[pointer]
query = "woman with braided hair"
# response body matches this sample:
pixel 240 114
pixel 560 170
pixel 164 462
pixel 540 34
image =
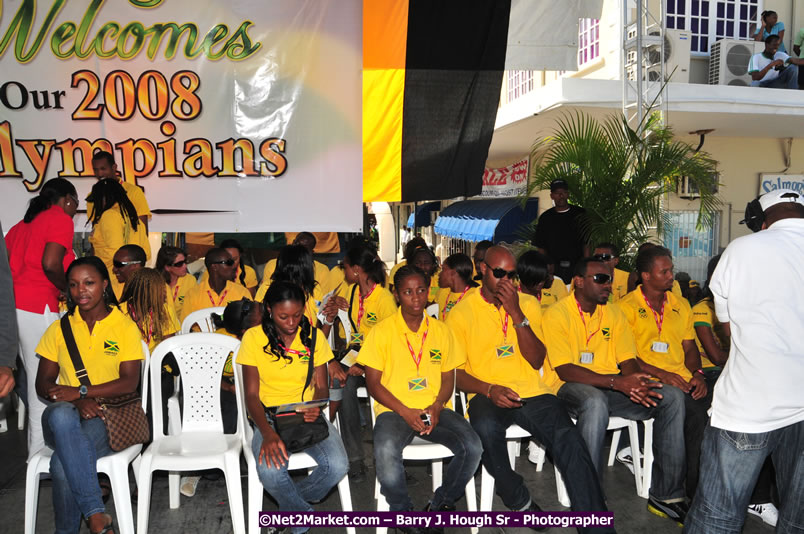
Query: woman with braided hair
pixel 275 357
pixel 145 300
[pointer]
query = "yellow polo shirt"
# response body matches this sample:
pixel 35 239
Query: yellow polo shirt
pixel 250 278
pixel 493 357
pixel 555 293
pixel 114 339
pixel 379 305
pixel 609 337
pixel 336 279
pixel 386 350
pixel 202 296
pixel 171 327
pixel 619 286
pixel 137 197
pixel 703 314
pixel 112 232
pixel 677 326
pixel 447 300
pixel 179 292
pixel 281 381
pixel 321 274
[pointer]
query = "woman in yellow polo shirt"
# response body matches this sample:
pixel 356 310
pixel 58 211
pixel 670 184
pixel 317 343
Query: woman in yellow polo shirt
pixel 275 357
pixel 295 265
pixel 410 362
pixel 455 281
pixel 172 263
pixel 532 270
pixel 424 259
pixel 368 303
pixel 114 224
pixel 111 349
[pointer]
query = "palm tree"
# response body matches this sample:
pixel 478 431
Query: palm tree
pixel 621 177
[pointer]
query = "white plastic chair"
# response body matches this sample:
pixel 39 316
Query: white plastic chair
pixel 421 449
pixel 297 461
pixel 202 318
pixel 115 466
pixel 201 444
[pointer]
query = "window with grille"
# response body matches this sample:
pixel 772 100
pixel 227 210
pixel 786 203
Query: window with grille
pixel 711 20
pixel 588 40
pixel 520 82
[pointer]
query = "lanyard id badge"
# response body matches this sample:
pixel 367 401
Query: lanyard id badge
pixel 660 347
pixel 587 357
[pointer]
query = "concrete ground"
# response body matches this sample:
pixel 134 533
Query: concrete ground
pixel 208 510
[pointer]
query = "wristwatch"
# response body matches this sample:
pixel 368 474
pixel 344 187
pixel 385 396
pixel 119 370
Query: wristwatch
pixel 525 322
pixel 82 391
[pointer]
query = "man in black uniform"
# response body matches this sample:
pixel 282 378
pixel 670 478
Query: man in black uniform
pixel 558 233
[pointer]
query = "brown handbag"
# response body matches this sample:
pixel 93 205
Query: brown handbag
pixel 126 422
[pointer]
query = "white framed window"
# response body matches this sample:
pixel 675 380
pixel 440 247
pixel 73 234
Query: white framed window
pixel 520 82
pixel 711 20
pixel 588 40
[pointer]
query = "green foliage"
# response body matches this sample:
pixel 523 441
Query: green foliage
pixel 621 177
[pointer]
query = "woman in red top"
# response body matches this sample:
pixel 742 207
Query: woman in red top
pixel 40 248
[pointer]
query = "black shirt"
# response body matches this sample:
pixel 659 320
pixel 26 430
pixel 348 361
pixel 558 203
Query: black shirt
pixel 560 235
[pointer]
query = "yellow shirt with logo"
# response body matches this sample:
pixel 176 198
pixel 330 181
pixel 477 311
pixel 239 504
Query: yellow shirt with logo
pixel 202 296
pixel 703 314
pixel 250 279
pixel 554 293
pixel 171 326
pixel 386 350
pixel 179 292
pixel 494 357
pixel 609 336
pixel 378 306
pixel 677 326
pixel 447 300
pixel 114 339
pixel 281 381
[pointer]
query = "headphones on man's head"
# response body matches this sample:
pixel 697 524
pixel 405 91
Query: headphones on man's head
pixel 755 215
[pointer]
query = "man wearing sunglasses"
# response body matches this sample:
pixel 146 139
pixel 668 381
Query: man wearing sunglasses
pixel 591 346
pixel 500 330
pixel 609 253
pixel 127 260
pixel 219 288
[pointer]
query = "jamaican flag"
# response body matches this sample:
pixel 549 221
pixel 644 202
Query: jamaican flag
pixel 432 74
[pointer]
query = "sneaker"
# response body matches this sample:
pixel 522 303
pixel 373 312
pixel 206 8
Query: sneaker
pixel 624 457
pixel 677 511
pixel 357 472
pixel 188 486
pixel 535 508
pixel 767 512
pixel 442 508
pixel 535 454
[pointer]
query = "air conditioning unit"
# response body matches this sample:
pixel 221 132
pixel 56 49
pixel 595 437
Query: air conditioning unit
pixel 728 61
pixel 676 59
pixel 687 189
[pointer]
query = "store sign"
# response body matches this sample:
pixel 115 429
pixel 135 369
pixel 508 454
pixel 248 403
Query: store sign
pixel 510 181
pixel 242 115
pixel 771 182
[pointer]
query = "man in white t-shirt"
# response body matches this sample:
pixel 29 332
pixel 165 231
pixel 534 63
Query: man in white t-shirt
pixel 774 69
pixel 758 406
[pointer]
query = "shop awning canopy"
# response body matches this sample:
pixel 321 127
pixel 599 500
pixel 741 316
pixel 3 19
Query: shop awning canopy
pixel 499 219
pixel 423 214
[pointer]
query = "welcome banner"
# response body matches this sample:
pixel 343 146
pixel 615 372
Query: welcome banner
pixel 243 115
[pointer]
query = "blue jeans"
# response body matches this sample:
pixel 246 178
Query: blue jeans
pixel 730 465
pixel 392 434
pixel 788 79
pixel 593 406
pixel 296 496
pixel 546 419
pixel 77 444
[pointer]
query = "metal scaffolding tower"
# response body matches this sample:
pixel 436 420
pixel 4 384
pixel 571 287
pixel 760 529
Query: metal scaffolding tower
pixel 642 59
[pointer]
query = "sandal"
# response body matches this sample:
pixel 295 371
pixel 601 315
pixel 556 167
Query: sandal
pixel 108 528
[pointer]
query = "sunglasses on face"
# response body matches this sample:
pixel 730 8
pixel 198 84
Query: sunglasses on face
pixel 499 272
pixel 180 263
pixel 121 264
pixel 601 278
pixel 228 262
pixel 604 257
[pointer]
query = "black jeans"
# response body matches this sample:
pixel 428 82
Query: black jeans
pixel 695 422
pixel 547 420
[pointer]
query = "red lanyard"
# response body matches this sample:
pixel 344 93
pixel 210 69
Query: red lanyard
pixel 657 317
pixel 447 307
pixel 175 291
pixel 361 309
pixel 503 323
pixel 212 300
pixel 304 352
pixel 418 360
pixel 585 328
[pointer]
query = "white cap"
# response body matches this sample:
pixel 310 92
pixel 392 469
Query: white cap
pixel 777 196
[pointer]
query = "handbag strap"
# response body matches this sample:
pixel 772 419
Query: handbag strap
pixel 351 304
pixel 310 364
pixel 72 349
